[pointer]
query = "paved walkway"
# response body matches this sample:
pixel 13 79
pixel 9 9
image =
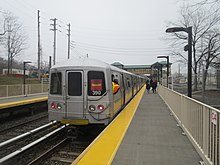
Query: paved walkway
pixel 22 100
pixel 154 139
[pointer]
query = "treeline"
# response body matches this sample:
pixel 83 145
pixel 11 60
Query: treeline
pixel 16 65
pixel 12 40
pixel 204 18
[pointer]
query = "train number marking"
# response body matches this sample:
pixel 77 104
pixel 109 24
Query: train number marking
pixel 96 93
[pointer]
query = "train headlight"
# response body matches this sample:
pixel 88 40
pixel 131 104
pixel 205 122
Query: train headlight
pixel 59 106
pixel 53 105
pixel 92 108
pixel 101 107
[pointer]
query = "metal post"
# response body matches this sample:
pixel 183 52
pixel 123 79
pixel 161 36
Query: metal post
pixel 38 45
pixel 54 45
pixel 167 70
pixel 161 71
pixel 158 74
pixel 54 42
pixel 49 63
pixel 189 83
pixel 167 57
pixel 24 78
pixel 68 57
pixel 189 31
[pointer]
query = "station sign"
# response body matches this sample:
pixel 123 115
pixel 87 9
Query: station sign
pixel 214 117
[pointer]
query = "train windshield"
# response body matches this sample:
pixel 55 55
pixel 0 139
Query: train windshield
pixel 74 83
pixel 56 84
pixel 96 83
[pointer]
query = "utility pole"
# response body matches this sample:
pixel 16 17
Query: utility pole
pixel 49 63
pixel 38 46
pixel 54 43
pixel 9 53
pixel 68 41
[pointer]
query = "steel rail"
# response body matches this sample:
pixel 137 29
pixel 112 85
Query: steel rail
pixel 23 123
pixel 5 143
pixel 35 161
pixel 9 158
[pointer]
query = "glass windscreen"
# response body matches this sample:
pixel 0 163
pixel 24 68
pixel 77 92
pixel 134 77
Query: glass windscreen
pixel 96 83
pixel 56 84
pixel 74 83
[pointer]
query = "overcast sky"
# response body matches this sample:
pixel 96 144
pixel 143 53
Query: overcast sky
pixel 126 31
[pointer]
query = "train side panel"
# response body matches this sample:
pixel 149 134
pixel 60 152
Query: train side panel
pixel 119 97
pixel 128 88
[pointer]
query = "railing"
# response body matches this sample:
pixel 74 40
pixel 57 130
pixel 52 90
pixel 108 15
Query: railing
pixel 199 122
pixel 18 90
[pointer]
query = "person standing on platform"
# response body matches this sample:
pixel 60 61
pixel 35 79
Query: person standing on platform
pixel 154 86
pixel 147 86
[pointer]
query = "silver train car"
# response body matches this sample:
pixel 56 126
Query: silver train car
pixel 81 92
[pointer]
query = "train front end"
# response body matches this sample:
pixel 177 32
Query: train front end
pixel 79 96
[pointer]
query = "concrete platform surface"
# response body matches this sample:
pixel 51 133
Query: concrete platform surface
pixel 22 100
pixel 153 138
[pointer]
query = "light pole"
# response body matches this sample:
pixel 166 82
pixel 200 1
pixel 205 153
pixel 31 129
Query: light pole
pixel 167 57
pixel 189 48
pixel 24 63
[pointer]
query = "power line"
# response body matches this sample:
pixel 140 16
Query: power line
pixel 124 53
pixel 92 46
pixel 14 7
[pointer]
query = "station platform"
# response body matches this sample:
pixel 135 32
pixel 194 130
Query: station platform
pixel 142 134
pixel 22 100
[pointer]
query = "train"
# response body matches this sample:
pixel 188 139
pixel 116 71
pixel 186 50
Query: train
pixel 81 91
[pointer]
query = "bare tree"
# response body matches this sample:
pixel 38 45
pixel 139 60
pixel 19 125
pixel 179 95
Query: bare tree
pixel 206 2
pixel 202 21
pixel 3 30
pixel 15 39
pixel 210 51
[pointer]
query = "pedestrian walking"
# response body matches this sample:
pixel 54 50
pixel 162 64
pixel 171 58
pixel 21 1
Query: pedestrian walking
pixel 154 86
pixel 147 87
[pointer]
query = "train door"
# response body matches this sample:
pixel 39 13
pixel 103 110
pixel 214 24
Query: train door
pixel 74 94
pixel 118 98
pixel 122 90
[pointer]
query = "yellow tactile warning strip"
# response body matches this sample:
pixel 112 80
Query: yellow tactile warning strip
pixel 103 149
pixel 23 102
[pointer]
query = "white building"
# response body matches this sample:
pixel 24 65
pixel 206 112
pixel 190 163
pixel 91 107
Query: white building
pixel 16 71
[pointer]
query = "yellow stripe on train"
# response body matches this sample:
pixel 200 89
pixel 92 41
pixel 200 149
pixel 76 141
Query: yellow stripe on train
pixel 75 121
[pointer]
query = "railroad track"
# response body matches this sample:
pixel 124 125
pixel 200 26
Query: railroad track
pixel 17 142
pixel 9 131
pixel 23 122
pixel 13 150
pixel 33 140
pixel 62 153
pixel 60 146
pixel 67 150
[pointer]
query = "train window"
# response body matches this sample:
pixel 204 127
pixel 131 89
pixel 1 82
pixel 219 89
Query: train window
pixel 129 85
pixel 56 84
pixel 96 83
pixel 74 84
pixel 115 79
